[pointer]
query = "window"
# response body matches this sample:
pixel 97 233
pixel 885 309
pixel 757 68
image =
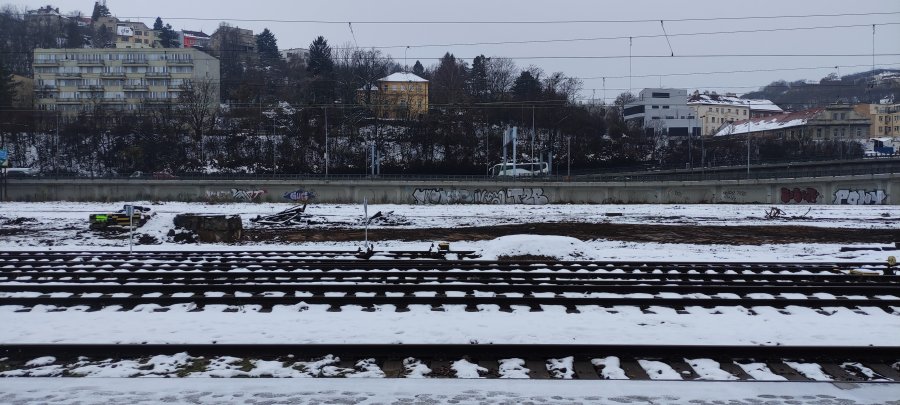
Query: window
pixel 666 107
pixel 660 95
pixel 745 112
pixel 843 116
pixel 654 107
pixel 669 117
pixel 880 118
pixel 729 111
pixel 717 109
pixel 818 132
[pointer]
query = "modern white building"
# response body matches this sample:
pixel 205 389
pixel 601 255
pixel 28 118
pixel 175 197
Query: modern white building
pixel 663 111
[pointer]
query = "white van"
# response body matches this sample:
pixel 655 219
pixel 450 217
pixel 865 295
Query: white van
pixel 19 172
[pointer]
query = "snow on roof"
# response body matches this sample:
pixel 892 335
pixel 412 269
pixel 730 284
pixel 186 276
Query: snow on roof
pixel 786 120
pixel 198 34
pixel 371 88
pixel 402 77
pixel 716 99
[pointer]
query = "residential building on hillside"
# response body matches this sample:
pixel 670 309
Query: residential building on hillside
pixel 129 34
pixel 838 121
pixel 73 80
pixel 885 118
pixel 235 39
pixel 663 110
pixel 397 96
pixel 714 110
pixel 193 39
pixel 135 34
pixel 296 54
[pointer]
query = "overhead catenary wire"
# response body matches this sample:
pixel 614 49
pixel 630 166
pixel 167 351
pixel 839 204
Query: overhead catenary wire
pixel 621 37
pixel 496 22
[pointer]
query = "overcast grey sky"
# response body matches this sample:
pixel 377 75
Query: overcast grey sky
pixel 646 72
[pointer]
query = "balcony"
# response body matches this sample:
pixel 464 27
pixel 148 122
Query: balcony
pixel 134 63
pixel 139 87
pixel 68 74
pixel 68 100
pixel 46 63
pixel 91 87
pixel 113 74
pixel 157 74
pixel 92 62
pixel 180 62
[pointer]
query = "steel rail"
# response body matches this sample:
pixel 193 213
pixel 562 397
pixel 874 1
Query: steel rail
pixel 355 288
pixel 405 301
pixel 400 277
pixel 445 351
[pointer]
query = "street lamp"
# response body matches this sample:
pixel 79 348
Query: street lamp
pixel 325 111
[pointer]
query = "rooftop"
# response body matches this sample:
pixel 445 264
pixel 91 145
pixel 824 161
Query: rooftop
pixel 402 77
pixel 717 99
pixel 786 120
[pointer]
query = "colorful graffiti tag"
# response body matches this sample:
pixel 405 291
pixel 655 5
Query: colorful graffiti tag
pixel 532 196
pixel 859 197
pixel 300 195
pixel 799 195
pixel 235 194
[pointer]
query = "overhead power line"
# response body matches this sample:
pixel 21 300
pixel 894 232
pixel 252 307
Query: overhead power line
pixel 622 37
pixel 495 22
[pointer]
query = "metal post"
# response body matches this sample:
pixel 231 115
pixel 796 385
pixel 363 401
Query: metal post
pixel 569 156
pixel 748 148
pixel 533 134
pixel 515 133
pixel 326 140
pixel 273 145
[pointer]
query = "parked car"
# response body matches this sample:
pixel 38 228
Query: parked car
pixel 164 176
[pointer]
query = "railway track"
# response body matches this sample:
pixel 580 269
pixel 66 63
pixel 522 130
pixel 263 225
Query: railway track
pixel 267 279
pixel 587 362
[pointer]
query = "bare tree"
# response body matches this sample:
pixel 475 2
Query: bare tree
pixel 198 107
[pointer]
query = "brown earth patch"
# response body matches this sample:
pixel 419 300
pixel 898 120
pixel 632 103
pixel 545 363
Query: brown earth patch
pixel 730 235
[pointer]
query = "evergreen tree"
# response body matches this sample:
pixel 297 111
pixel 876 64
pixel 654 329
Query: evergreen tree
pixel 526 87
pixel 6 86
pixel 100 10
pixel 267 47
pixel 418 69
pixel 74 36
pixel 168 38
pixel 478 78
pixel 448 83
pixel 320 61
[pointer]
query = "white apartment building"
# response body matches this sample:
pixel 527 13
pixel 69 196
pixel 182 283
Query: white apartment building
pixel 73 80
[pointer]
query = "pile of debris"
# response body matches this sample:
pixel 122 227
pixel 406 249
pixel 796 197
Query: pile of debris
pixel 388 219
pixel 290 216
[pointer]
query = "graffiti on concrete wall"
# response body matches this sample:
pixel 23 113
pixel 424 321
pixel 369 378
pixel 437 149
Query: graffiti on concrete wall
pixel 859 197
pixel 530 195
pixel 300 195
pixel 798 195
pixel 734 195
pixel 236 194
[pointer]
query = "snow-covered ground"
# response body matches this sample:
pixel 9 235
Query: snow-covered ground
pixel 63 226
pixel 417 391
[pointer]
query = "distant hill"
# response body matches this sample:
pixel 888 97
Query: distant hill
pixel 863 87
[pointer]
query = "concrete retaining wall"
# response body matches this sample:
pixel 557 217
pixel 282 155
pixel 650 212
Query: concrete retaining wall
pixel 867 189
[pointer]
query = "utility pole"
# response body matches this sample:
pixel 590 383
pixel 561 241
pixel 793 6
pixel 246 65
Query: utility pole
pixel 533 134
pixel 569 156
pixel 325 109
